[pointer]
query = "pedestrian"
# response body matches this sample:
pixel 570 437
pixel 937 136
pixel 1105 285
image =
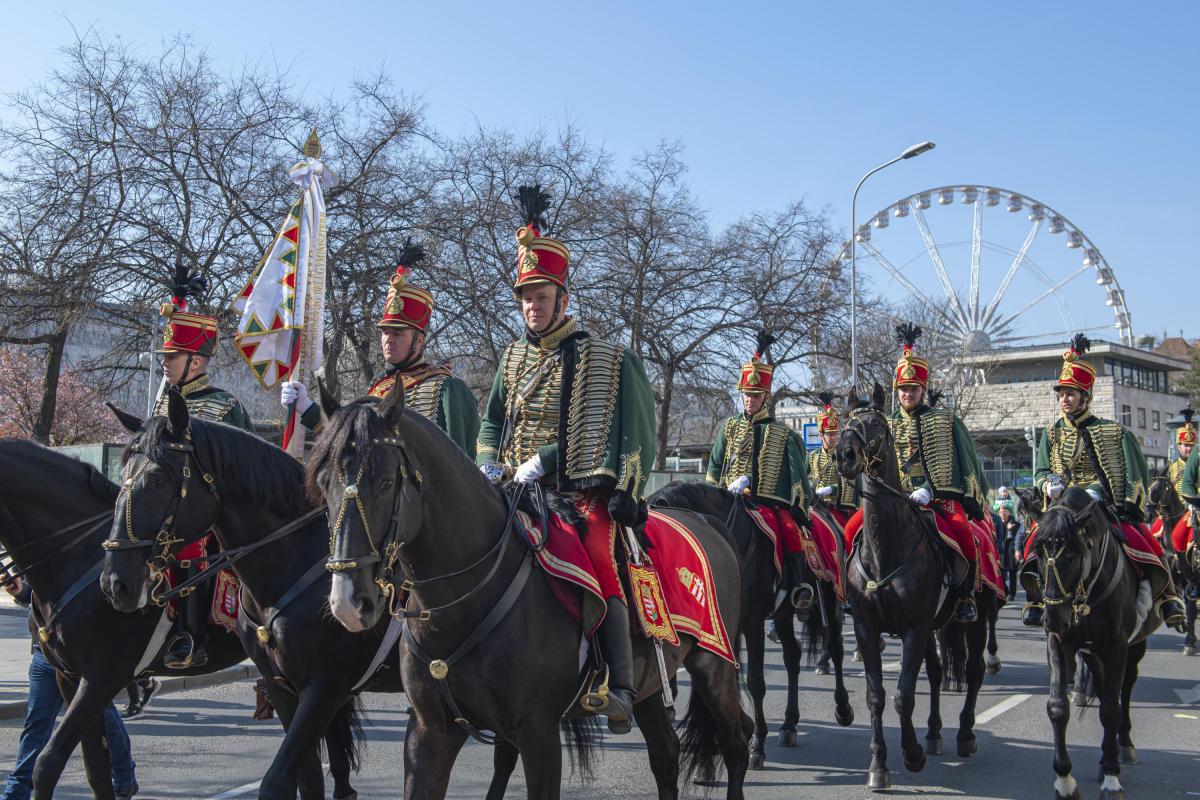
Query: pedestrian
pixel 1010 541
pixel 45 700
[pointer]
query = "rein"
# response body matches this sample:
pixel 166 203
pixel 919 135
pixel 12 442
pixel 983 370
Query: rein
pixel 95 522
pixel 1079 599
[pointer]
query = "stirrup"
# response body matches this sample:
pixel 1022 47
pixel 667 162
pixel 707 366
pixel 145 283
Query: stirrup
pixel 802 597
pixel 1176 620
pixel 1029 612
pixel 971 614
pixel 596 701
pixel 180 663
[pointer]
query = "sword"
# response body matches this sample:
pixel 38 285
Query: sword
pixel 635 556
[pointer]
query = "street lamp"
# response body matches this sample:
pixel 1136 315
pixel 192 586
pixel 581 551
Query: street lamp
pixel 911 152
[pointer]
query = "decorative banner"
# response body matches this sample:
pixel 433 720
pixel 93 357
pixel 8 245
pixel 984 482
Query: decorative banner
pixel 282 307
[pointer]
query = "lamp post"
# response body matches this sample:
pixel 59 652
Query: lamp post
pixel 912 152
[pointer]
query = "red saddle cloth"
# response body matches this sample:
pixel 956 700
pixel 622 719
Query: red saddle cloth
pixel 990 573
pixel 226 596
pixel 819 545
pixel 684 575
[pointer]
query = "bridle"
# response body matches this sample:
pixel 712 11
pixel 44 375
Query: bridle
pixel 165 540
pixel 1160 507
pixel 875 456
pixel 1078 599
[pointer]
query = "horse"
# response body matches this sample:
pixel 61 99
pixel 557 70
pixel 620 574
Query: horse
pixel 185 477
pixel 1164 503
pixel 1091 595
pixel 823 626
pixel 896 583
pixel 489 645
pixel 54 513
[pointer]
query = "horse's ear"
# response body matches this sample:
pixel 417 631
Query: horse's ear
pixel 392 407
pixel 178 418
pixel 128 421
pixel 853 401
pixel 328 403
pixel 878 398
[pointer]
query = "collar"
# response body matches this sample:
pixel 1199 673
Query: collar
pixel 1079 420
pixel 916 412
pixel 762 415
pixel 552 340
pixel 196 384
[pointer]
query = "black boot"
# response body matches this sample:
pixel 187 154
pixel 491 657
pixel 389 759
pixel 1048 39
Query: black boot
pixel 965 611
pixel 802 593
pixel 187 647
pixel 617 649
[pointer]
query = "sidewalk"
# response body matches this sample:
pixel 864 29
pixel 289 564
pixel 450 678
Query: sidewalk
pixel 15 656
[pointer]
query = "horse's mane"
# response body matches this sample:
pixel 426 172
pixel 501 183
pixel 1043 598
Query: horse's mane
pixel 1060 520
pixel 32 456
pixel 266 476
pixel 688 494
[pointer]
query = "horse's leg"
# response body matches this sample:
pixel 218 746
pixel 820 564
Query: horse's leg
pixel 84 715
pixel 1061 659
pixel 993 645
pixel 1189 638
pixel 429 754
pixel 757 684
pixel 916 640
pixel 1111 679
pixel 933 672
pixel 97 765
pixel 319 701
pixel 541 757
pixel 504 763
pixel 662 744
pixel 878 776
pixel 1126 751
pixel 715 682
pixel 943 646
pixel 835 650
pixel 310 779
pixel 785 622
pixel 976 635
pixel 339 744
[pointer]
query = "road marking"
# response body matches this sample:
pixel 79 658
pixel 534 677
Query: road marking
pixel 1007 704
pixel 1191 696
pixel 1186 716
pixel 238 792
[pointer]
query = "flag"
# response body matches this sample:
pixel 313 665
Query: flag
pixel 282 307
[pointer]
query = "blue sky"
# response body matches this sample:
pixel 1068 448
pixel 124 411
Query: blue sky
pixel 1089 107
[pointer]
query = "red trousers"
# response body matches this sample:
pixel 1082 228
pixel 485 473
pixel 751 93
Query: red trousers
pixel 599 540
pixel 952 522
pixel 1181 533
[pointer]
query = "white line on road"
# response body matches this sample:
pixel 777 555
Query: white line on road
pixel 1007 704
pixel 238 792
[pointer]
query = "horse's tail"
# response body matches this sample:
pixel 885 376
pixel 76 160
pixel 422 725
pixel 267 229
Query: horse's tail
pixel 353 744
pixel 812 641
pixel 699 745
pixel 582 735
pixel 956 645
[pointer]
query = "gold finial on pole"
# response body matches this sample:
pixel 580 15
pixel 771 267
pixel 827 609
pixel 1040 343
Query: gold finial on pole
pixel 312 147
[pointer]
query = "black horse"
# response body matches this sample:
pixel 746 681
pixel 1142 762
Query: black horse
pixel 1164 503
pixel 186 477
pixel 54 513
pixel 1090 591
pixel 896 584
pixel 823 623
pixel 400 493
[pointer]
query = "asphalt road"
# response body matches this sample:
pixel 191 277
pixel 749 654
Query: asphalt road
pixel 204 745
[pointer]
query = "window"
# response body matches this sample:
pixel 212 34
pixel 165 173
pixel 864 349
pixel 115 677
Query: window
pixel 1156 420
pixel 1126 416
pixel 1141 418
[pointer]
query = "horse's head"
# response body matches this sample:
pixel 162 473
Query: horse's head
pixel 1031 502
pixel 1161 499
pixel 364 472
pixel 1069 552
pixel 167 500
pixel 866 438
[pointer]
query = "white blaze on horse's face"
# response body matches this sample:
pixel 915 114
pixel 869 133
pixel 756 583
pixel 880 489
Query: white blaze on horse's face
pixel 342 604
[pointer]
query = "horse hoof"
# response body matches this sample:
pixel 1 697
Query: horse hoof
pixel 1189 649
pixel 857 656
pixel 758 760
pixel 822 669
pixel 706 777
pixel 967 747
pixel 993 667
pixel 1079 699
pixel 1127 754
pixel 916 764
pixel 787 738
pixel 878 780
pixel 933 747
pixel 844 716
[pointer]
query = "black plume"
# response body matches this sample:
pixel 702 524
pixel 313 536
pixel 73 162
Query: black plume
pixel 826 398
pixel 1080 344
pixel 935 396
pixel 412 254
pixel 763 344
pixel 186 284
pixel 534 202
pixel 1187 414
pixel 907 334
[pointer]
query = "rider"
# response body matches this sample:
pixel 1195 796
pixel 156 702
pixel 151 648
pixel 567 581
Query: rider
pixel 1084 451
pixel 765 459
pixel 938 466
pixel 839 495
pixel 189 341
pixel 430 390
pixel 576 414
pixel 1184 472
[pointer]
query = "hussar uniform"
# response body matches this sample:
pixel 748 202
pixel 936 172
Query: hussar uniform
pixel 577 414
pixel 1087 452
pixel 1182 473
pixel 838 494
pixel 431 390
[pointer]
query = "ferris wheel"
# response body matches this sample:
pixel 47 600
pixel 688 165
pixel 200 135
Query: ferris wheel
pixel 1020 283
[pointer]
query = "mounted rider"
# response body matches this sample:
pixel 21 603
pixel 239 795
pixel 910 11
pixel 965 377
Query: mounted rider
pixel 755 455
pixel 838 494
pixel 939 468
pixel 1084 451
pixel 1184 473
pixel 577 415
pixel 430 390
pixel 189 341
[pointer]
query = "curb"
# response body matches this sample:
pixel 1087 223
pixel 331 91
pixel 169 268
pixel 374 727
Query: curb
pixel 15 709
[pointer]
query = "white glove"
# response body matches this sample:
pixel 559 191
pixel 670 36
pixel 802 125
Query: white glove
pixel 530 471
pixel 1052 489
pixel 1094 495
pixel 740 484
pixel 824 491
pixel 295 392
pixel 921 496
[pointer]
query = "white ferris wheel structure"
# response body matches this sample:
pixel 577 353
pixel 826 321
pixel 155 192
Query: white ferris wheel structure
pixel 996 269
